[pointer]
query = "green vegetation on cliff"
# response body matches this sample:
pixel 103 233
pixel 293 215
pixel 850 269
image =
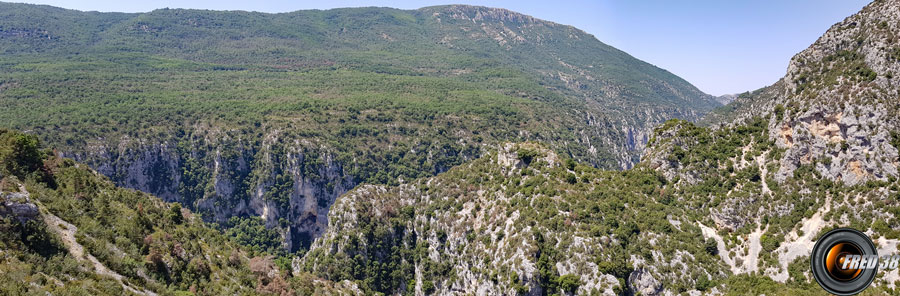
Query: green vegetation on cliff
pixel 232 112
pixel 68 231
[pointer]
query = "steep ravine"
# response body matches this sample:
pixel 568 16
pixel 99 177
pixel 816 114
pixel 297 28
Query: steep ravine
pixel 289 185
pixel 290 182
pixel 322 101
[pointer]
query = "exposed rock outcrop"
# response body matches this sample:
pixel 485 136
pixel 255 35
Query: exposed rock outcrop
pixel 786 162
pixel 643 283
pixel 18 205
pixel 491 237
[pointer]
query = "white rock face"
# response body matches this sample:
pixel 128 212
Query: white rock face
pixel 834 116
pixel 849 144
pixel 847 122
pixel 643 283
pixel 230 178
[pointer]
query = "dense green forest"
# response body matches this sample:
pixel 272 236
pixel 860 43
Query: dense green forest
pixel 233 114
pixel 148 74
pixel 445 150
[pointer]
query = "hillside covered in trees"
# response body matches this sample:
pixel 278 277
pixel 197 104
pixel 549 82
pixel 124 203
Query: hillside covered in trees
pixel 244 114
pixel 449 150
pixel 66 230
pixel 733 206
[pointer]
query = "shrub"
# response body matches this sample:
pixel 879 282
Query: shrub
pixel 711 247
pixel 569 283
pixel 428 287
pixel 616 267
pixel 703 283
pixel 570 178
pixel 527 155
pixel 175 213
pixel 20 154
pixel 779 112
pixel 39 240
pixel 769 242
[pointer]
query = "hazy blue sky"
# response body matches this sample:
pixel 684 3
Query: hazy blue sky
pixel 721 46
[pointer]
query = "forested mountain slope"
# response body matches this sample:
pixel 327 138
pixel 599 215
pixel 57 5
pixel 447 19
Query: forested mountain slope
pixel 275 115
pixel 67 230
pixel 734 207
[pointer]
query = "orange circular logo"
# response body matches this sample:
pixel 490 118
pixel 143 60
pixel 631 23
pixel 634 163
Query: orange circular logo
pixel 835 262
pixel 844 261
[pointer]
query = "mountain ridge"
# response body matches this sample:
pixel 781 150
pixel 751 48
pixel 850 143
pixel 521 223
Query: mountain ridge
pixel 755 187
pixel 731 206
pixel 275 115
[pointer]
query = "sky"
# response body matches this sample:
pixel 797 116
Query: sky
pixel 720 46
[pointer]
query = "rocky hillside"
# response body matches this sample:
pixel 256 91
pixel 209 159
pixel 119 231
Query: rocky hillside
pixel 66 230
pixel 452 207
pixel 525 221
pixel 521 220
pixel 240 114
pixel 732 207
pixel 837 108
pixel 784 163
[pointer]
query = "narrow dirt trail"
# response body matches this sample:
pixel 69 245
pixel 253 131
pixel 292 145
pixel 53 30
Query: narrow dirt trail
pixel 66 232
